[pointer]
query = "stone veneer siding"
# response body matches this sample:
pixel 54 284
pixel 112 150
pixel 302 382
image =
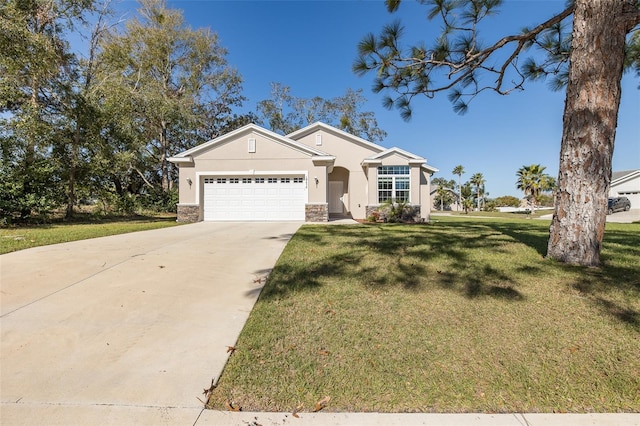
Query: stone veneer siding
pixel 316 212
pixel 369 211
pixel 188 213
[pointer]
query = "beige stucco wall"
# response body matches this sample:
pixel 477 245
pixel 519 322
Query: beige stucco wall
pixel 372 187
pixel 274 156
pixel 187 193
pixel 349 155
pixel 233 158
pixel 425 194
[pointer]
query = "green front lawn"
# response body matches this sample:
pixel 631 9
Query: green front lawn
pixel 28 236
pixel 464 315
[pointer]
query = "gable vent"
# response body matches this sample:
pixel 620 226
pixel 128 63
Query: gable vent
pixel 318 140
pixel 251 143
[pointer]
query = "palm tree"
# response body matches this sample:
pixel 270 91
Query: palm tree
pixel 444 196
pixel 532 180
pixel 458 171
pixel 478 181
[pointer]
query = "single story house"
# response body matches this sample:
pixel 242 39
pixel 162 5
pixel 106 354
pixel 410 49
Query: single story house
pixel 452 206
pixel 254 174
pixel 626 184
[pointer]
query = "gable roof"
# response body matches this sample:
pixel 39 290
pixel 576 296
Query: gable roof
pixel 617 177
pixel 395 150
pixel 187 156
pixel 381 151
pixel 318 125
pixel 434 189
pixel 412 158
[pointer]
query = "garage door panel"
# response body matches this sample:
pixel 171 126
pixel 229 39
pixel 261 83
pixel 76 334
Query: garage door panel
pixel 254 199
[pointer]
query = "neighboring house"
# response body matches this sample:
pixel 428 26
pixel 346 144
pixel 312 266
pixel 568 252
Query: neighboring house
pixel 626 184
pixel 254 174
pixel 453 206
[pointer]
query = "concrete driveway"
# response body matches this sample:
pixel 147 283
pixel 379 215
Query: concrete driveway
pixel 629 216
pixel 127 329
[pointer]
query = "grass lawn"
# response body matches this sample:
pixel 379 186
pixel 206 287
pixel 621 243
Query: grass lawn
pixel 23 237
pixel 463 315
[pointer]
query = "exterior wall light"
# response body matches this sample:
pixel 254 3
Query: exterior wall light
pixel 190 182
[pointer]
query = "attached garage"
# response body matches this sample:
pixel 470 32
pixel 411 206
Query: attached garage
pixel 254 174
pixel 626 184
pixel 255 198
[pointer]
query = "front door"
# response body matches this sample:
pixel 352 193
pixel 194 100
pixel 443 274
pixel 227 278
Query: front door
pixel 336 194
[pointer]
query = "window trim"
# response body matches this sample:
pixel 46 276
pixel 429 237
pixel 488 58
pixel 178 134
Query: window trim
pixel 395 175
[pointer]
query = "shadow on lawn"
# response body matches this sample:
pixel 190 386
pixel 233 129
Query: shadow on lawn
pixel 619 273
pixel 534 235
pixel 616 284
pixel 450 256
pixel 397 255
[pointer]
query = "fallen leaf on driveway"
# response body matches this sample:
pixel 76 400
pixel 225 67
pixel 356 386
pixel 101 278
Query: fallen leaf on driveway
pixel 231 349
pixel 211 388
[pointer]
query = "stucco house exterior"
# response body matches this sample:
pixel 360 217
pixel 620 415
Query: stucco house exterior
pixel 626 184
pixel 453 206
pixel 254 174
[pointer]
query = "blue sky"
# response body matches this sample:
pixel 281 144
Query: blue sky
pixel 310 46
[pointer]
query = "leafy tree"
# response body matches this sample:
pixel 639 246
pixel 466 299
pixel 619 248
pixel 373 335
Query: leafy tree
pixel 443 183
pixel 443 193
pixel 34 65
pixel 458 171
pixel 83 118
pixel 590 62
pixel 443 198
pixel 286 113
pixel 478 181
pixel 172 82
pixel 507 201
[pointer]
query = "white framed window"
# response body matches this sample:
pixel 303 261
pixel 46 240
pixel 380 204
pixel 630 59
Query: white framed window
pixel 221 180
pixel 246 180
pixel 234 180
pixel 251 143
pixel 298 180
pixel 209 180
pixel 272 180
pixel 393 184
pixel 285 180
pixel 259 180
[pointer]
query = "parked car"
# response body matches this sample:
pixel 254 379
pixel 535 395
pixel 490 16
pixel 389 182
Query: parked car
pixel 618 204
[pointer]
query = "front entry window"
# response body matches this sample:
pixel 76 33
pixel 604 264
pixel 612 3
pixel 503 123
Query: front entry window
pixel 393 184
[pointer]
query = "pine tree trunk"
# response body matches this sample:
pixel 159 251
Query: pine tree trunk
pixel 589 128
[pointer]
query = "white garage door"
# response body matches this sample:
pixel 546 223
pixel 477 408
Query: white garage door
pixel 255 198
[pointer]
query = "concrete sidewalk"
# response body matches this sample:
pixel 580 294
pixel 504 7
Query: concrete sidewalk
pixel 389 419
pixel 127 329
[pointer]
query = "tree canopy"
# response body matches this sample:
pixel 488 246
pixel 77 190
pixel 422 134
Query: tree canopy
pixel 99 121
pixel 285 113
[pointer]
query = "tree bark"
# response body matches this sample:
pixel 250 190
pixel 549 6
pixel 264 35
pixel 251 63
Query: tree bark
pixel 164 163
pixel 589 129
pixel 71 184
